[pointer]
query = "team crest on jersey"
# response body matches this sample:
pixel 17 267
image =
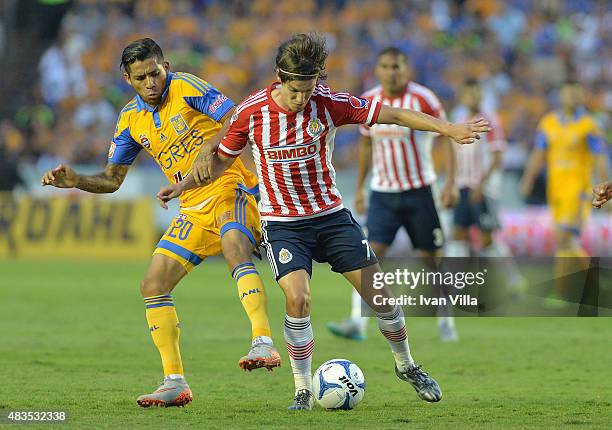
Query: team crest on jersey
pixel 162 138
pixel 144 141
pixel 284 256
pixel 111 150
pixel 315 127
pixel 179 124
pixel 358 102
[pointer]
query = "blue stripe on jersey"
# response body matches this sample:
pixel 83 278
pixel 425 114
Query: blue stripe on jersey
pixel 541 141
pixel 596 144
pixel 180 251
pixel 194 84
pixel 196 79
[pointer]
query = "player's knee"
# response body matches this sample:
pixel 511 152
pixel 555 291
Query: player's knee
pixel 153 287
pixel 298 299
pixel 236 248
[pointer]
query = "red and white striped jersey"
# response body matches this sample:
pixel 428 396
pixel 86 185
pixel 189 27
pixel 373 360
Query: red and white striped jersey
pixel 473 161
pixel 401 157
pixel 293 150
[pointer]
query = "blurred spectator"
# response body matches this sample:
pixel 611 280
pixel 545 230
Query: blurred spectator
pixel 518 49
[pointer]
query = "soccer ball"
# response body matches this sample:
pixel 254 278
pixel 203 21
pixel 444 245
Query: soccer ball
pixel 338 384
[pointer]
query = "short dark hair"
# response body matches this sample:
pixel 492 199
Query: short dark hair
pixel 302 58
pixel 392 50
pixel 140 50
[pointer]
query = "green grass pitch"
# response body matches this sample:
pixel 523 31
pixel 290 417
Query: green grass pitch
pixel 74 337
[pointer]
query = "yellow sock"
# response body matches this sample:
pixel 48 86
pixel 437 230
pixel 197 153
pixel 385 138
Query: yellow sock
pixel 164 327
pixel 253 298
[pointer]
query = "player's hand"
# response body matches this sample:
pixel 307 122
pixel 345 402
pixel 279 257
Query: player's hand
pixel 601 194
pixel 61 177
pixel 468 132
pixel 476 195
pixel 168 193
pixel 360 207
pixel 449 196
pixel 202 168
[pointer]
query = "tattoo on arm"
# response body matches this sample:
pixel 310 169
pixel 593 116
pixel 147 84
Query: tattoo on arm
pixel 108 181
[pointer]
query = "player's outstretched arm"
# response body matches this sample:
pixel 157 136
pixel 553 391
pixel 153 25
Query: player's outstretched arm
pixel 64 176
pixel 462 133
pixel 220 164
pixel 602 193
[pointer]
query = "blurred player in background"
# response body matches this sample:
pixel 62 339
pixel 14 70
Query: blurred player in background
pixel 171 117
pixel 479 175
pixel 402 176
pixel 602 193
pixel 291 127
pixel 569 143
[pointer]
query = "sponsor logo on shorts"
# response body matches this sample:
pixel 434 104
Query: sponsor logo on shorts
pixel 284 256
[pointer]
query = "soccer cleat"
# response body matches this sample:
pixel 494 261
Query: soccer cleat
pixel 261 355
pixel 348 329
pixel 448 332
pixel 303 401
pixel 425 386
pixel 171 392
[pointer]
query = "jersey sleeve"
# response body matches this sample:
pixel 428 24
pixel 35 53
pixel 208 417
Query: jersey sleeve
pixel 365 130
pixel 347 109
pixel 203 97
pixel 430 104
pixel 123 148
pixel 237 137
pixel 594 138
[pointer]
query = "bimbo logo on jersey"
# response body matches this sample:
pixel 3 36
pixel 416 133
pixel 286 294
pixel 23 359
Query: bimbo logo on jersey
pixel 292 153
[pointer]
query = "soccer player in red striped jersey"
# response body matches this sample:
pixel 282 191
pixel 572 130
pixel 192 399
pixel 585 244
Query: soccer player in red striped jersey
pixel 290 126
pixel 402 175
pixel 479 177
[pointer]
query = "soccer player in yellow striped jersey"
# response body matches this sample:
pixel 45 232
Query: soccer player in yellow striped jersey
pixel 571 146
pixel 170 118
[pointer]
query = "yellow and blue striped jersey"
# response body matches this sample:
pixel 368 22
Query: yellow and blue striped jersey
pixel 173 132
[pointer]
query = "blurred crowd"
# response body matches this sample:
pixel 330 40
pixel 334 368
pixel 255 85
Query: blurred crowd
pixel 520 51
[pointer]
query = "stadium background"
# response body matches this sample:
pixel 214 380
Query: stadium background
pixel 61 91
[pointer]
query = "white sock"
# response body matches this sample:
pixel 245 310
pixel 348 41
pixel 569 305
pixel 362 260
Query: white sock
pixel 356 310
pixel 175 376
pixel 262 339
pixel 450 321
pixel 499 248
pixel 393 327
pixel 457 248
pixel 300 343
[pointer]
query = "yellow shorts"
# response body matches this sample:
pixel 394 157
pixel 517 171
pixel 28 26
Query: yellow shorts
pixel 196 233
pixel 569 209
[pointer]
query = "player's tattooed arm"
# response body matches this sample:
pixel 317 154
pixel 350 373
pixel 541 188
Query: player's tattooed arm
pixel 108 181
pixel 462 133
